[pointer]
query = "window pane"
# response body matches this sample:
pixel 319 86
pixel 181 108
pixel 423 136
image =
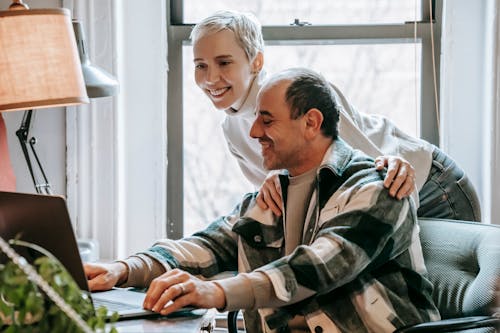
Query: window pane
pixel 376 78
pixel 317 12
pixel 213 182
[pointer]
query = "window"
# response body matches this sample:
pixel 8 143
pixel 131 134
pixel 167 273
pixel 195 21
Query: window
pixel 382 64
pixel 283 12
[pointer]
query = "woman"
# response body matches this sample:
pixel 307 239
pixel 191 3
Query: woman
pixel 228 55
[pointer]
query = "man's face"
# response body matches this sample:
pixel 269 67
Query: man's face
pixel 222 69
pixel 281 138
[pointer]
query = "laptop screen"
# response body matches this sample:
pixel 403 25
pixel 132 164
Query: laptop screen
pixel 42 220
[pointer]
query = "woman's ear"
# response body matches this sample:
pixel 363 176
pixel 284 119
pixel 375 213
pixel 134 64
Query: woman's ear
pixel 258 63
pixel 313 121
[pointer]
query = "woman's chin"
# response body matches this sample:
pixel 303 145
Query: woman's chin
pixel 221 105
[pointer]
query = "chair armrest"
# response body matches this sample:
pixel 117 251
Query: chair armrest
pixel 452 325
pixel 232 321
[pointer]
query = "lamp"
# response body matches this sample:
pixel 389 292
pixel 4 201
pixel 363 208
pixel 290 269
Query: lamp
pixel 39 68
pixel 98 82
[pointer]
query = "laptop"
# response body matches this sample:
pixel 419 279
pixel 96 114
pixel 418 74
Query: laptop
pixel 44 220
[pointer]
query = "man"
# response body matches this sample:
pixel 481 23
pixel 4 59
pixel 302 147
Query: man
pixel 345 256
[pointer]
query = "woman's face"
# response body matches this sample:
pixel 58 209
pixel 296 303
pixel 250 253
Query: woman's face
pixel 222 69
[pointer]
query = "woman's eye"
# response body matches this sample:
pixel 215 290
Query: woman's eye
pixel 199 66
pixel 224 63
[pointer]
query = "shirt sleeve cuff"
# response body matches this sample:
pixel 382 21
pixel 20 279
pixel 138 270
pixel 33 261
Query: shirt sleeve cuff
pixel 246 291
pixel 142 269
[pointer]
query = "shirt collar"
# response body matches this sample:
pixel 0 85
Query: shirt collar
pixel 337 157
pixel 248 106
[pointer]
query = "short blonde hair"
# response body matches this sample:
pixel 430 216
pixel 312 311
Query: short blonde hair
pixel 245 26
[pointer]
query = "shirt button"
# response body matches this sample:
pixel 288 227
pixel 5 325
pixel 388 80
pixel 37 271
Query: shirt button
pixel 257 238
pixel 318 329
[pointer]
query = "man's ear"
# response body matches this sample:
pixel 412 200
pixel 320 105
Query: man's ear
pixel 258 63
pixel 313 120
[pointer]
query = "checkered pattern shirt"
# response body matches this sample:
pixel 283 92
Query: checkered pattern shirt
pixel 360 260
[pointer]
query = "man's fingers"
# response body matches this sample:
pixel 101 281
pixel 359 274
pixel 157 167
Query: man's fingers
pixel 177 304
pixel 166 296
pixel 162 287
pixel 99 283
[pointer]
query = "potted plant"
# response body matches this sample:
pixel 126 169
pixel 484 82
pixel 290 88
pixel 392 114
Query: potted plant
pixel 43 297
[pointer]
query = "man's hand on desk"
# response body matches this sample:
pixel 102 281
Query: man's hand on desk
pixel 105 276
pixel 176 289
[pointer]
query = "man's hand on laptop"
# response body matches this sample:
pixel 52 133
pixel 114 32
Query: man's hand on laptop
pixel 105 276
pixel 176 289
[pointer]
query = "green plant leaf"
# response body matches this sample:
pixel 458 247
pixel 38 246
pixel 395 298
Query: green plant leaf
pixel 24 300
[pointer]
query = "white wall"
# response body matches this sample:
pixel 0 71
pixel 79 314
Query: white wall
pixel 142 71
pixel 467 88
pixel 117 147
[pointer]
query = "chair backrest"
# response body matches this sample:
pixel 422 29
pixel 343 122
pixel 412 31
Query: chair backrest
pixel 463 262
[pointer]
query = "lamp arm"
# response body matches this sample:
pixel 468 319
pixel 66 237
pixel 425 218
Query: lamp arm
pixel 22 134
pixel 45 186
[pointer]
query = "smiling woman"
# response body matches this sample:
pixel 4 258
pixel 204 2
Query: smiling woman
pixel 223 70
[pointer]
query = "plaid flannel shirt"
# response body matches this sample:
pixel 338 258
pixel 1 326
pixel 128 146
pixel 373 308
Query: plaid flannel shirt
pixel 360 254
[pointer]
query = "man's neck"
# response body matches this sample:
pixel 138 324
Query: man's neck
pixel 313 157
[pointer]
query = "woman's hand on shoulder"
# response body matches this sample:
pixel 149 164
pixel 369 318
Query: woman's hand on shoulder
pixel 400 178
pixel 270 194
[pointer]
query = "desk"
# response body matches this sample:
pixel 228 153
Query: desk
pixel 200 321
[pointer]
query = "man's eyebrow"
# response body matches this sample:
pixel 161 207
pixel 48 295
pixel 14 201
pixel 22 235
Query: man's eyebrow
pixel 265 113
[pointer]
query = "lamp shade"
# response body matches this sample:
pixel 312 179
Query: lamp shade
pixel 39 62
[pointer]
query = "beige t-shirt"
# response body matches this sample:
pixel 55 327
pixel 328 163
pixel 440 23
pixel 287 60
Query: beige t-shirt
pixel 299 192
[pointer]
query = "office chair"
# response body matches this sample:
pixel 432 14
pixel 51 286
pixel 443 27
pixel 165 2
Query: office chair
pixel 463 263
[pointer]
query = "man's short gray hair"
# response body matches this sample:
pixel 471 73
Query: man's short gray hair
pixel 245 26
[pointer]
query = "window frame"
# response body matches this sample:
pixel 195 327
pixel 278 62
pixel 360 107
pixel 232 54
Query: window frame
pixel 178 33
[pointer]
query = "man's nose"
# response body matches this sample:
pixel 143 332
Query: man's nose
pixel 255 130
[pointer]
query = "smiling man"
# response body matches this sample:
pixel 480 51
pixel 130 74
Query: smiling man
pixel 344 257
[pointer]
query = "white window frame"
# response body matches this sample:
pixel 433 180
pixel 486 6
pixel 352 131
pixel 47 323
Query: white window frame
pixel 178 33
pixel 116 146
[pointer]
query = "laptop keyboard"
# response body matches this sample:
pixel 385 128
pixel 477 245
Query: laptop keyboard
pixel 112 306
